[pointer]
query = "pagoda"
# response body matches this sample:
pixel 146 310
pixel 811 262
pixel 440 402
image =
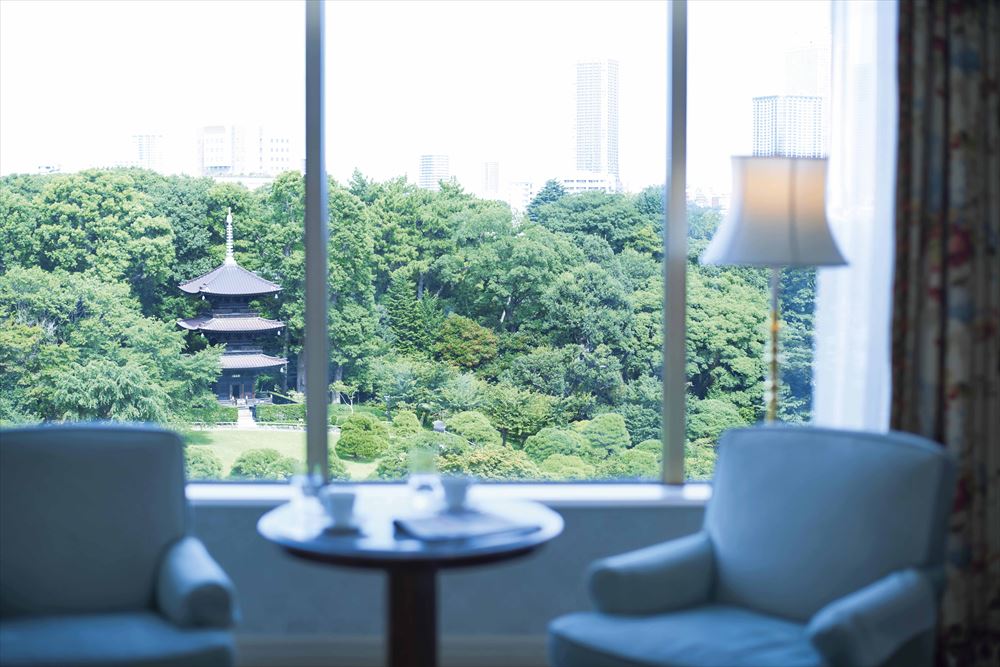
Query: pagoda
pixel 229 289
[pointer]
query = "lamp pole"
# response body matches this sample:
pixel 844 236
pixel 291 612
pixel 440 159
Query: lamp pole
pixel 772 401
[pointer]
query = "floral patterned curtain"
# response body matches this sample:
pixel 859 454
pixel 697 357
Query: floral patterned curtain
pixel 946 312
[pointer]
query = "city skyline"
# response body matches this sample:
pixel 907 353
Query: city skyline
pixel 459 84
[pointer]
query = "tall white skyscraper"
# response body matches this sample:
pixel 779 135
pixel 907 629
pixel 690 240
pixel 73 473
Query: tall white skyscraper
pixel 433 170
pixel 597 118
pixel 789 126
pixel 491 180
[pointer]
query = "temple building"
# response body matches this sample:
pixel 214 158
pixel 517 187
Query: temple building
pixel 229 289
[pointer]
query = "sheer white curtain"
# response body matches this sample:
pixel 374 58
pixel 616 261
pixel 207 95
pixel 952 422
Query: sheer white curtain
pixel 851 372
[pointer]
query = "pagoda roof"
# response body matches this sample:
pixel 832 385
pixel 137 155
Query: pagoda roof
pixel 237 361
pixel 227 323
pixel 230 280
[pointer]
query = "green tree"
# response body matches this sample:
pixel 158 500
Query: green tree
pixel 629 464
pixel 551 192
pixel 492 463
pixel 464 343
pixel 560 467
pixel 474 427
pixel 517 413
pixel 606 434
pixel 552 441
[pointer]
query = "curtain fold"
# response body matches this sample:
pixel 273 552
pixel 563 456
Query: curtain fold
pixel 946 293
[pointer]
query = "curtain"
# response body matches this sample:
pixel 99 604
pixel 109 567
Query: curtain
pixel 946 294
pixel 851 363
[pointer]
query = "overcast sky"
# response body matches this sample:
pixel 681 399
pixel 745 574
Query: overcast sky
pixel 479 81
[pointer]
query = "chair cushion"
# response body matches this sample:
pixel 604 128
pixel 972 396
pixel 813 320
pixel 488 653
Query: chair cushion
pixel 143 639
pixel 800 517
pixel 706 636
pixel 86 513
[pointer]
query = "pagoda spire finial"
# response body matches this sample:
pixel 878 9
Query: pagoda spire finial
pixel 230 259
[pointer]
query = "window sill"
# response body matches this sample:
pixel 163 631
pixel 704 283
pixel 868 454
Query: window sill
pixel 555 495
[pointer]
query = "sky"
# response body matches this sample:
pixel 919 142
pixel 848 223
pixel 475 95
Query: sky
pixel 479 81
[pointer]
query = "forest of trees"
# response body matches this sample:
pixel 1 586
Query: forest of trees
pixel 441 304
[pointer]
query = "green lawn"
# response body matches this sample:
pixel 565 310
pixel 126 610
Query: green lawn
pixel 228 445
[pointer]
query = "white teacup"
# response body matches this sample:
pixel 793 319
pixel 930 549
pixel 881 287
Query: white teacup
pixel 456 489
pixel 338 503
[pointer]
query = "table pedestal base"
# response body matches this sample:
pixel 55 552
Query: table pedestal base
pixel 412 617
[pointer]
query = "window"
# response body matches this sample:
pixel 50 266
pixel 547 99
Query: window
pixel 487 271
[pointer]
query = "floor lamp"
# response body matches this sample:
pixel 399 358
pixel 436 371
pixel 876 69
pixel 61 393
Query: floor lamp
pixel 776 219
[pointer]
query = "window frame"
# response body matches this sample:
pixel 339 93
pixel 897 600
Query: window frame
pixel 316 344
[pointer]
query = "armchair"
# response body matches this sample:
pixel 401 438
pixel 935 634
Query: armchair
pixel 96 567
pixel 819 548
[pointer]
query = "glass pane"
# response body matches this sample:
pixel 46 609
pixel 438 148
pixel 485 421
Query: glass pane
pixel 495 242
pixel 122 151
pixel 765 93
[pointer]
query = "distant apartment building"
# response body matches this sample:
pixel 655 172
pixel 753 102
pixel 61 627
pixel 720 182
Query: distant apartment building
pixel 789 126
pixel 231 151
pixel 597 118
pixel 433 170
pixel 520 194
pixel 491 180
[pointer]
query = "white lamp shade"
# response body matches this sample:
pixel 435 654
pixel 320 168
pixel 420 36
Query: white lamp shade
pixel 777 216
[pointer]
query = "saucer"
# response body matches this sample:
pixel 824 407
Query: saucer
pixel 350 528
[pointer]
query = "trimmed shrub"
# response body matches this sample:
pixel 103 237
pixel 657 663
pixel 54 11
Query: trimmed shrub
pixel 560 467
pixel 202 463
pixel 493 463
pixel 629 464
pixel 287 413
pixel 405 423
pixel 699 459
pixel 336 468
pixel 550 441
pixel 361 446
pixel 264 463
pixel 607 434
pixel 394 465
pixel 362 438
pixel 654 447
pixel 474 427
pixel 213 414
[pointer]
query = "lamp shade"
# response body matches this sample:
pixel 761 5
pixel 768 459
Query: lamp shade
pixel 777 216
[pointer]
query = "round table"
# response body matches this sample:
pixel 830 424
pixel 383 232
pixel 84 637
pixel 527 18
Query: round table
pixel 411 564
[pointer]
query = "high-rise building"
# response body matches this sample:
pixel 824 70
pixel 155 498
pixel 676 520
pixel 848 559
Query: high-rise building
pixel 491 180
pixel 146 152
pixel 433 170
pixel 597 118
pixel 789 126
pixel 589 181
pixel 244 150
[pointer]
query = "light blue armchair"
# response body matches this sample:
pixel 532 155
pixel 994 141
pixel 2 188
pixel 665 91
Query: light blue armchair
pixel 96 567
pixel 820 548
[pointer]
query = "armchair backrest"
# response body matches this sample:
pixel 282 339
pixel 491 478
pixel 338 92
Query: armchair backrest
pixel 802 516
pixel 86 512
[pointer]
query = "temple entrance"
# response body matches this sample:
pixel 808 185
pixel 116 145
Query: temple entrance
pixel 236 392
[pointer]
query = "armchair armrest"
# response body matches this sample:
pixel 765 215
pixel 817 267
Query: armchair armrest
pixel 192 590
pixel 866 627
pixel 667 576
